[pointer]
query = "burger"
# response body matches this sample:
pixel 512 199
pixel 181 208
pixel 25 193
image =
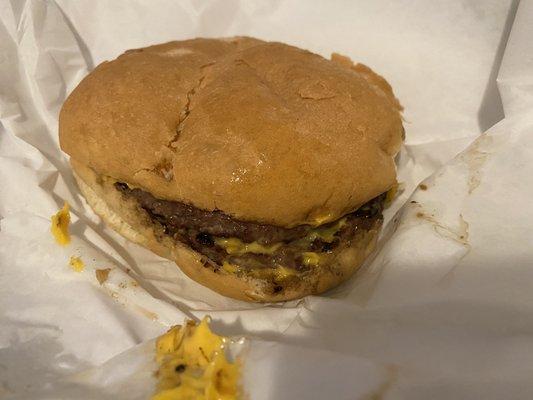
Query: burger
pixel 259 168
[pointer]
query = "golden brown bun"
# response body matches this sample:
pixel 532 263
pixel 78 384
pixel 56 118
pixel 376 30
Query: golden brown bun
pixel 127 218
pixel 262 131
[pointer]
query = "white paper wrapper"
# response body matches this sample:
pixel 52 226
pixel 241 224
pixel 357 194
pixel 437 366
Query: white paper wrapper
pixel 444 309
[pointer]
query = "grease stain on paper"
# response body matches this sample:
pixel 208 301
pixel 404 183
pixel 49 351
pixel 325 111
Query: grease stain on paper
pixel 459 235
pixel 475 157
pixel 147 313
pixel 391 377
pixel 123 301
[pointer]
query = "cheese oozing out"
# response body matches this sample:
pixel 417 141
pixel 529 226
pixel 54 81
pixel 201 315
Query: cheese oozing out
pixel 235 246
pixel 326 233
pixel 238 247
pixel 193 365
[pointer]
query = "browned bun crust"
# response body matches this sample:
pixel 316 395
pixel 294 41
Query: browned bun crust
pixel 127 218
pixel 263 131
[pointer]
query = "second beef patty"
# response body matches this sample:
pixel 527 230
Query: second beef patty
pixel 250 245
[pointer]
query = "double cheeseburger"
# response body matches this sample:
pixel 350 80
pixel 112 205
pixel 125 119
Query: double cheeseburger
pixel 259 168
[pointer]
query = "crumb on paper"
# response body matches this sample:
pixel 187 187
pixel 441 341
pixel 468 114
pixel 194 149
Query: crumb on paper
pixel 102 275
pixel 76 263
pixel 60 224
pixel 423 186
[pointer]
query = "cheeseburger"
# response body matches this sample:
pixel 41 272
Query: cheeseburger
pixel 259 168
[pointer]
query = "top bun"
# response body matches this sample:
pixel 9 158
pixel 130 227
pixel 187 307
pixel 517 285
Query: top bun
pixel 262 131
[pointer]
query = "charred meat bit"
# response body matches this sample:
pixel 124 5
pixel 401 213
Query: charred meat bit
pixel 205 239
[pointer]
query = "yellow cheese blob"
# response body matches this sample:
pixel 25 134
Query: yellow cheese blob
pixel 327 234
pixel 180 392
pixel 193 365
pixel 60 223
pixel 201 344
pixel 229 268
pixel 279 273
pixel 320 219
pixel 391 194
pixel 282 273
pixel 76 263
pixel 238 247
pixel 310 258
pixel 226 373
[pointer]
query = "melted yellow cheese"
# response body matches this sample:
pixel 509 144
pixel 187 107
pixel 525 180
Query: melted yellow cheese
pixel 391 194
pixel 238 247
pixel 234 246
pixel 227 374
pixel 200 345
pixel 327 234
pixel 282 273
pixel 229 268
pixel 310 258
pixel 76 263
pixel 60 223
pixel 321 218
pixel 193 365
pixel 279 273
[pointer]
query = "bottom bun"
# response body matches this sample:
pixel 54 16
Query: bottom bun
pixel 126 217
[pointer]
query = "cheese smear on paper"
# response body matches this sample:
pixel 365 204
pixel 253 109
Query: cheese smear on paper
pixel 60 224
pixel 193 365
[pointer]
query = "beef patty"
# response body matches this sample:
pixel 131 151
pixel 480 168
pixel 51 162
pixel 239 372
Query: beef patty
pixel 253 245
